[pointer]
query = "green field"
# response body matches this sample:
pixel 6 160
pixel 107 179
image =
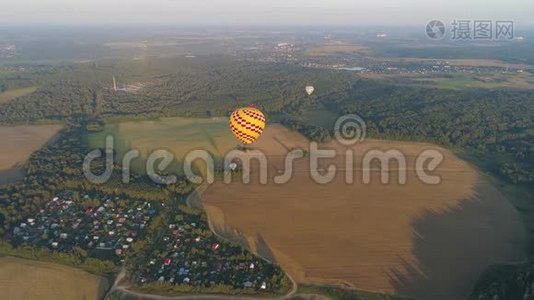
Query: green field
pixel 177 135
pixel 484 81
pixel 314 114
pixel 14 93
pixel 320 117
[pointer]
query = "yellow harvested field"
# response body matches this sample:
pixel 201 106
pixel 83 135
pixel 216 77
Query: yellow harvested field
pixel 25 279
pixel 19 142
pixel 414 239
pixel 12 94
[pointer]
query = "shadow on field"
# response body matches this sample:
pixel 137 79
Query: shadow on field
pixel 453 247
pixel 231 234
pixel 12 175
pixel 264 250
pixel 259 245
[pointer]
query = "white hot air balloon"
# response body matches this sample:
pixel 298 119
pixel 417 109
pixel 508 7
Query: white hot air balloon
pixel 310 89
pixel 233 166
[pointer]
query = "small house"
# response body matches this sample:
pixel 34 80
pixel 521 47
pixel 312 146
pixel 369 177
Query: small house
pixel 167 261
pixel 215 246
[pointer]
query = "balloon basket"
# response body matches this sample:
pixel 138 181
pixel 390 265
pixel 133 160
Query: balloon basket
pixel 244 148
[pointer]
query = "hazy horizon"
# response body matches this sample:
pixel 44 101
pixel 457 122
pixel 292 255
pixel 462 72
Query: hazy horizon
pixel 274 12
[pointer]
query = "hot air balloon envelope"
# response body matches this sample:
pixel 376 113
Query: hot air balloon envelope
pixel 310 89
pixel 247 124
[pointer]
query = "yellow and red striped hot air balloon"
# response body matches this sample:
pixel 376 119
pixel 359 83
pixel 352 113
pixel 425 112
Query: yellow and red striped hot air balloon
pixel 247 124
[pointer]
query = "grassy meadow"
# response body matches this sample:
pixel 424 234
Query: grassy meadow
pixel 319 117
pixel 484 81
pixel 177 135
pixel 9 95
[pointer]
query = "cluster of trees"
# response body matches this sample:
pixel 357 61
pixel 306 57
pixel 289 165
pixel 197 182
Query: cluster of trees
pixel 172 87
pixel 14 82
pixel 54 102
pixel 313 133
pixel 78 257
pixel 220 289
pixel 506 282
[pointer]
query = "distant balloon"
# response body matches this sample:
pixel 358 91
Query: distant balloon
pixel 310 89
pixel 247 124
pixel 233 166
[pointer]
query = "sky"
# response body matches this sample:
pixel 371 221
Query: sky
pixel 265 12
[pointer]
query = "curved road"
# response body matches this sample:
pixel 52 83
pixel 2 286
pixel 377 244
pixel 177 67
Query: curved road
pixel 121 286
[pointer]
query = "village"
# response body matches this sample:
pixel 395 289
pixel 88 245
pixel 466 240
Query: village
pixel 104 226
pixel 184 253
pixel 189 254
